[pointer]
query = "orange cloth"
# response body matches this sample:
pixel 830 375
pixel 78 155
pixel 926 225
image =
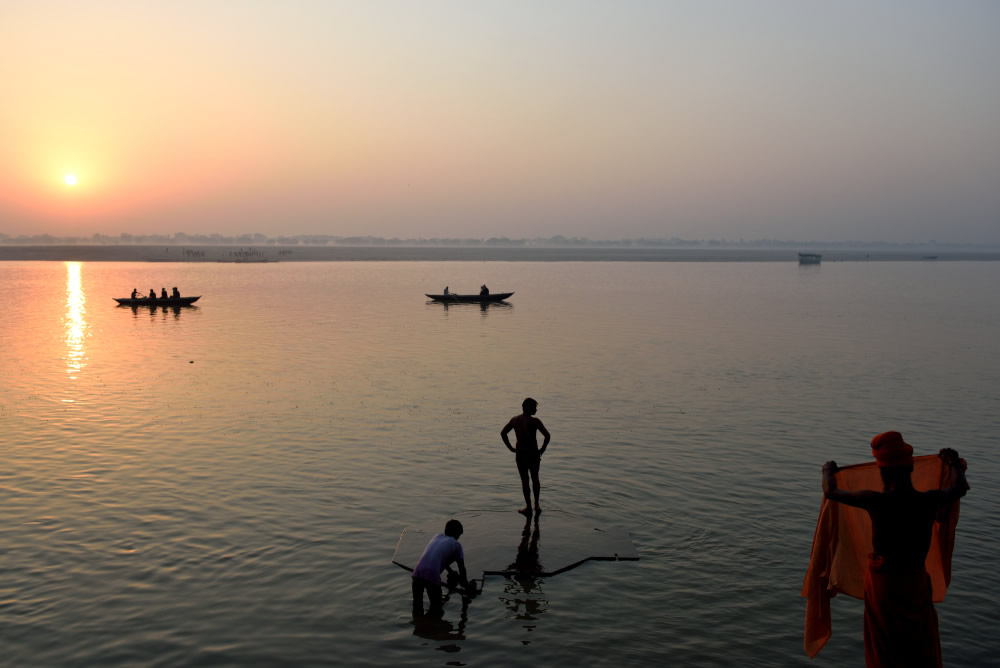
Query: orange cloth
pixel 843 541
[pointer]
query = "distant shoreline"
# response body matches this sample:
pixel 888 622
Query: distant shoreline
pixel 270 254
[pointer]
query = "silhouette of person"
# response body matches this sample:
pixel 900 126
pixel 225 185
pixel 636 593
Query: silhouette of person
pixel 527 454
pixel 134 293
pixel 901 627
pixel 176 294
pixel 442 550
pixel 446 293
pixel 163 293
pixel 152 293
pixel 483 290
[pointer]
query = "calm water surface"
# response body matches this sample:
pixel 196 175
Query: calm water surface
pixel 225 484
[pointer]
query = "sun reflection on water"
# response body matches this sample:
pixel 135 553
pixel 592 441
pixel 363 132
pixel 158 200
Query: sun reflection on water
pixel 76 323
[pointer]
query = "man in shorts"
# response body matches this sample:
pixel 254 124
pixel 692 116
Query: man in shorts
pixel 527 454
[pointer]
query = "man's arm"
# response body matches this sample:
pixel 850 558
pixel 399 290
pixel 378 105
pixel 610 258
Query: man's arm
pixel 503 435
pixel 462 577
pixel 861 499
pixel 545 433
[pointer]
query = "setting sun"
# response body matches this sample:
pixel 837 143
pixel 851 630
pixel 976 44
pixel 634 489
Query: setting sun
pixel 70 179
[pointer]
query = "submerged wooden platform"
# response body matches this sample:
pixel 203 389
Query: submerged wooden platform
pixel 508 543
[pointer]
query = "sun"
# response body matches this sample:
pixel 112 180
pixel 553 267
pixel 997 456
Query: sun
pixel 70 179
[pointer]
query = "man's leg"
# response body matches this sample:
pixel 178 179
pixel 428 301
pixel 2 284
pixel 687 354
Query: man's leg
pixel 418 596
pixel 434 594
pixel 522 469
pixel 536 485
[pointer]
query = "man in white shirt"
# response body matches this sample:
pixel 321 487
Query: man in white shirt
pixel 441 551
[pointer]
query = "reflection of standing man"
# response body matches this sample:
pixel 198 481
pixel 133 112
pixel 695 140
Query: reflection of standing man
pixel 527 453
pixel 526 562
pixel 524 586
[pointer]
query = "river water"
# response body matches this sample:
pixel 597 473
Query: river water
pixel 225 484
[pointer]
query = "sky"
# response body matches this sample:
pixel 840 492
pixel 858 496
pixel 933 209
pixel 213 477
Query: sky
pixel 856 120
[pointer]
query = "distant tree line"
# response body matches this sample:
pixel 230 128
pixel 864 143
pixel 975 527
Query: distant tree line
pixel 182 238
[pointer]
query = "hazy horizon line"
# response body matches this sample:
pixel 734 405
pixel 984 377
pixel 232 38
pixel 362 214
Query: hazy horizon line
pixel 215 239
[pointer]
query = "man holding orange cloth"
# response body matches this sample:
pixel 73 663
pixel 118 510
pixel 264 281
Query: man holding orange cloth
pixel 901 627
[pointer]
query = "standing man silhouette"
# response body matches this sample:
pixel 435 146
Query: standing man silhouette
pixel 527 454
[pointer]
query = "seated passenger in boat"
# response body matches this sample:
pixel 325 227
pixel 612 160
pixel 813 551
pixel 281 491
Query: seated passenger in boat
pixel 134 293
pixel 163 293
pixel 152 293
pixel 484 291
pixel 176 294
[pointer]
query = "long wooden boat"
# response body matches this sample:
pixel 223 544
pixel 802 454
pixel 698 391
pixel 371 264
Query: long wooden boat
pixel 146 301
pixel 470 299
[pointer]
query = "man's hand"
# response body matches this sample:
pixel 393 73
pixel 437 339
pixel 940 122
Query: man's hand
pixel 829 481
pixel 948 454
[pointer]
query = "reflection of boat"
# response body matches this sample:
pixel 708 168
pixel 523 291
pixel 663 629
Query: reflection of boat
pixel 810 258
pixel 929 257
pixel 471 299
pixel 146 301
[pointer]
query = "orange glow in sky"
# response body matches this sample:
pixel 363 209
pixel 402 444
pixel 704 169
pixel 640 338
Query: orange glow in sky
pixel 789 120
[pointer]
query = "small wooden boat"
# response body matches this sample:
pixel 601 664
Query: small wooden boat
pixel 146 301
pixel 470 299
pixel 810 258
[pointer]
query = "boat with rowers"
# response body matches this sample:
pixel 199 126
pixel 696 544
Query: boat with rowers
pixel 160 301
pixel 452 298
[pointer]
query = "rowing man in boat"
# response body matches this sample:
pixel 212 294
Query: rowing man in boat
pixel 527 454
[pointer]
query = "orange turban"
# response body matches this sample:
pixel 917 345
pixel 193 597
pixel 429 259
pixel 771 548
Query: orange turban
pixel 890 450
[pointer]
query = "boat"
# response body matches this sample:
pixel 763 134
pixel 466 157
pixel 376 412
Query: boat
pixel 249 260
pixel 470 299
pixel 146 301
pixel 810 258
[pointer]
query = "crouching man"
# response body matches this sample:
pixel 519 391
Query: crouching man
pixel 442 550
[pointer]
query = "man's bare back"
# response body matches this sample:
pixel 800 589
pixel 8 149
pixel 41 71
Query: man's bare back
pixel 526 428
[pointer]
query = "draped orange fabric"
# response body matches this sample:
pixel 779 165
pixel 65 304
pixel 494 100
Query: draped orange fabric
pixel 843 541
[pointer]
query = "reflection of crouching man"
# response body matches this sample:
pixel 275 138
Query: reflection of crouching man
pixel 441 551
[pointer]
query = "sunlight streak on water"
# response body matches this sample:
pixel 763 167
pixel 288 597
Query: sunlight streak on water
pixel 76 322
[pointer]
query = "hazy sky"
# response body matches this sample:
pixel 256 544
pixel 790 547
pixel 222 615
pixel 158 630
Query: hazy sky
pixel 848 120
